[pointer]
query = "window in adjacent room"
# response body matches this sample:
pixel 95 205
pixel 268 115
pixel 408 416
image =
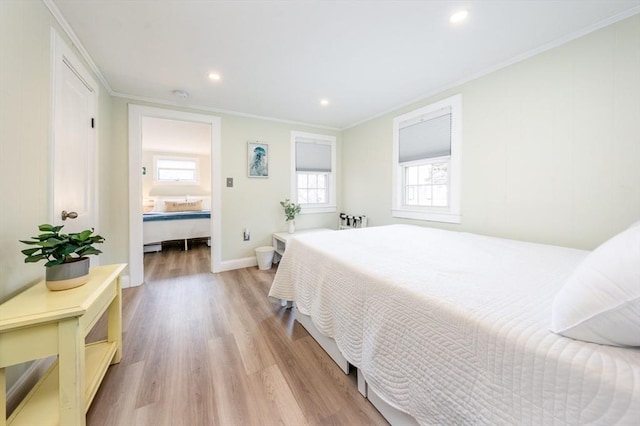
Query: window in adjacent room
pixel 426 158
pixel 176 169
pixel 313 172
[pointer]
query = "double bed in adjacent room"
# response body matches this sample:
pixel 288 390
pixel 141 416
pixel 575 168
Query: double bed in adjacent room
pixel 175 220
pixel 454 328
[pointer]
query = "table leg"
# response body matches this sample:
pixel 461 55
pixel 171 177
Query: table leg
pixel 3 398
pixel 71 372
pixel 114 326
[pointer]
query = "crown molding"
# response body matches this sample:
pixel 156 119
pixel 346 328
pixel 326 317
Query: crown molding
pixel 75 41
pixel 85 55
pixel 202 108
pixel 548 46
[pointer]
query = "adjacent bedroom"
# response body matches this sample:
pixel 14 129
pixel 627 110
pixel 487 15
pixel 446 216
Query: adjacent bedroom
pixel 176 183
pixel 351 212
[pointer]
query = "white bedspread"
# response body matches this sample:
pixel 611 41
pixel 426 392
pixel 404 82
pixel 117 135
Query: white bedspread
pixel 452 328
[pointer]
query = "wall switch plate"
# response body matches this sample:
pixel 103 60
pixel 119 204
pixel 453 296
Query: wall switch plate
pixel 229 182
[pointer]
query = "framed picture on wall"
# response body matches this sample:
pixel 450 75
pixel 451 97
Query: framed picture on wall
pixel 258 159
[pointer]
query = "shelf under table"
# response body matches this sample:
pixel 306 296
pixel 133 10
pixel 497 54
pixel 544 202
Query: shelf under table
pixel 40 406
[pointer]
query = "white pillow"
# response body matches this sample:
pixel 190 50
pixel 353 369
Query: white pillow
pixel 600 302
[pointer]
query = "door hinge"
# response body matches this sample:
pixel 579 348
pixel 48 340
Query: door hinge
pixel 93 123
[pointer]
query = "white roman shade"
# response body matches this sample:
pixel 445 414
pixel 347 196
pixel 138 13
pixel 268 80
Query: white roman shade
pixel 425 137
pixel 313 157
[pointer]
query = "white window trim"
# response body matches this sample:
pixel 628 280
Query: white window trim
pixel 330 206
pixel 158 182
pixel 449 214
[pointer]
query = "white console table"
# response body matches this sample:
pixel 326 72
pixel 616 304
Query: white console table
pixel 280 240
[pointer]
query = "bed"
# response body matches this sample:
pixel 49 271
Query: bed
pixel 185 220
pixel 453 328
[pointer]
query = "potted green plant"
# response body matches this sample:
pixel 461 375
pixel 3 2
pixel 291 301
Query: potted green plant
pixel 67 264
pixel 290 211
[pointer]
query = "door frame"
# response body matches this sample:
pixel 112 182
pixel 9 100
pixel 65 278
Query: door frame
pixel 136 114
pixel 62 54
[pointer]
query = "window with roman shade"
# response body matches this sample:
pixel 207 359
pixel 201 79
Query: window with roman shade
pixel 426 137
pixel 313 171
pixel 313 156
pixel 426 162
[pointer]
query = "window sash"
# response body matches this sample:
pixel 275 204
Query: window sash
pixel 313 188
pixel 176 170
pixel 424 187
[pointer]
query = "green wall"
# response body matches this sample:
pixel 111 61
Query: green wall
pixel 550 146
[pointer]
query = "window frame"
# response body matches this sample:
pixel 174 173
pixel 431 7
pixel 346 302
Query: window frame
pixel 156 169
pixel 307 208
pixel 451 213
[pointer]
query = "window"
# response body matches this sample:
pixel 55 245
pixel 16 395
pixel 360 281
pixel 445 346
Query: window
pixel 313 172
pixel 176 169
pixel 312 187
pixel 426 161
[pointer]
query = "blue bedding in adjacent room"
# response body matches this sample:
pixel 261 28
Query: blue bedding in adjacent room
pixel 158 216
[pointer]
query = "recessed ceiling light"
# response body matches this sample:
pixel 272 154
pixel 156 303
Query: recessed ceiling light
pixel 458 16
pixel 214 76
pixel 324 101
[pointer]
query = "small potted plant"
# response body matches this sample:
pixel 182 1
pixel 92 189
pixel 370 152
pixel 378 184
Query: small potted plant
pixel 290 211
pixel 66 255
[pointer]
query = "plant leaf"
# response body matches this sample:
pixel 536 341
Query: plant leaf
pixel 50 228
pixel 88 251
pixel 54 262
pixel 33 259
pixel 85 234
pixel 29 252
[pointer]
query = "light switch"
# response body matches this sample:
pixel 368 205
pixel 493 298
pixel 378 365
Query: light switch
pixel 229 182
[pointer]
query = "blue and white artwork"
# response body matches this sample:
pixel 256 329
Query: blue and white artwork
pixel 258 159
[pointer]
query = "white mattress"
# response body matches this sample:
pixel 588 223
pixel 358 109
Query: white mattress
pixel 167 230
pixel 452 328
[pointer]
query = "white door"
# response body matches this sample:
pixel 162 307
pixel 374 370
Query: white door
pixel 73 143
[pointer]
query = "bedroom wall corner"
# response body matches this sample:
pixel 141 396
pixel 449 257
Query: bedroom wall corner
pixel 251 202
pixel 550 146
pixel 254 202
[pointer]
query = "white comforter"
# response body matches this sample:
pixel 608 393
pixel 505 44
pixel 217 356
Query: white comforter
pixel 452 328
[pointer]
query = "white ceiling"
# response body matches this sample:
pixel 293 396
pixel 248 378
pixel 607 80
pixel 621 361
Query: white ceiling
pixel 163 135
pixel 277 59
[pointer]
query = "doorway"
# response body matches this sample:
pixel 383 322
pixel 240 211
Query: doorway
pixel 138 115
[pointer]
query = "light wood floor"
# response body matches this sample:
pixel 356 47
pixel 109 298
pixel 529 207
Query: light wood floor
pixel 211 349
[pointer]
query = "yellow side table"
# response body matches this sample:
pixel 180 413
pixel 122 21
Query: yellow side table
pixel 38 323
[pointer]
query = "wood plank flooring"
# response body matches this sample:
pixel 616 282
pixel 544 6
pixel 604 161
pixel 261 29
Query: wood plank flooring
pixel 211 349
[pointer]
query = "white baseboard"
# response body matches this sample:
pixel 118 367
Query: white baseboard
pixel 227 265
pixel 244 262
pixel 125 281
pixel 22 386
